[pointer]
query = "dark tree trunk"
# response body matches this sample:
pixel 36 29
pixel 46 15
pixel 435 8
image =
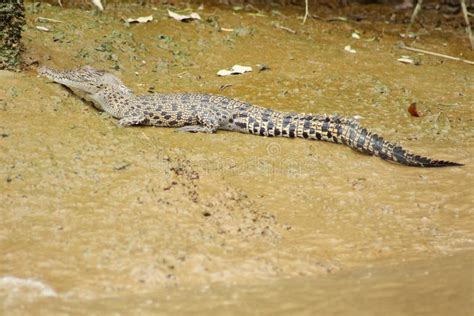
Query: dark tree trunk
pixel 12 19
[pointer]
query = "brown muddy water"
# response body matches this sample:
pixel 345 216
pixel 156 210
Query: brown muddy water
pixel 98 219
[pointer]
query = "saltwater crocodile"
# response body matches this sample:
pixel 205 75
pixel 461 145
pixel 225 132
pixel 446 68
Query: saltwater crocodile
pixel 196 112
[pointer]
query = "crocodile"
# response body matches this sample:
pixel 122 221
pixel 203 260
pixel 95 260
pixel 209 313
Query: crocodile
pixel 198 112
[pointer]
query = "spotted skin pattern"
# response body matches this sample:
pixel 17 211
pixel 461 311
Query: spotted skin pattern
pixel 195 112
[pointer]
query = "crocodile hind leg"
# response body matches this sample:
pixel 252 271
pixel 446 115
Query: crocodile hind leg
pixel 196 129
pixel 209 122
pixel 132 120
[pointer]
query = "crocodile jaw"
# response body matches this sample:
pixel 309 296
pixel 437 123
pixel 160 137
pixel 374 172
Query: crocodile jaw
pixel 72 79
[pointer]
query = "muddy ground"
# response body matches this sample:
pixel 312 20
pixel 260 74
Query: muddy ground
pixel 102 219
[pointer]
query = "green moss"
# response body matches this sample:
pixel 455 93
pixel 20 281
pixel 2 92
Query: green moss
pixel 12 20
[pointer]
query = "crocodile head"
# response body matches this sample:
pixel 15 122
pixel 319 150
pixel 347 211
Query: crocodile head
pixel 86 79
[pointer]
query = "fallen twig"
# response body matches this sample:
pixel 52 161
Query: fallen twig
pixel 468 25
pixel 224 86
pixel 306 11
pixel 465 14
pixel 354 17
pixel 278 26
pixel 402 46
pixel 414 15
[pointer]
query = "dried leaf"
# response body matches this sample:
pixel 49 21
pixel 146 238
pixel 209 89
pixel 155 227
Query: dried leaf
pixel 406 60
pixel 258 14
pixel 262 67
pixel 235 70
pixel 184 18
pixel 338 18
pixel 142 19
pixel 409 35
pixel 98 4
pixel 349 49
pixel 46 20
pixel 373 39
pixel 42 28
pixel 412 110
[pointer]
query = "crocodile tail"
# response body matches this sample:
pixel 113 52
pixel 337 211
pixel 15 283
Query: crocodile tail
pixel 336 129
pixel 360 139
pixel 348 132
